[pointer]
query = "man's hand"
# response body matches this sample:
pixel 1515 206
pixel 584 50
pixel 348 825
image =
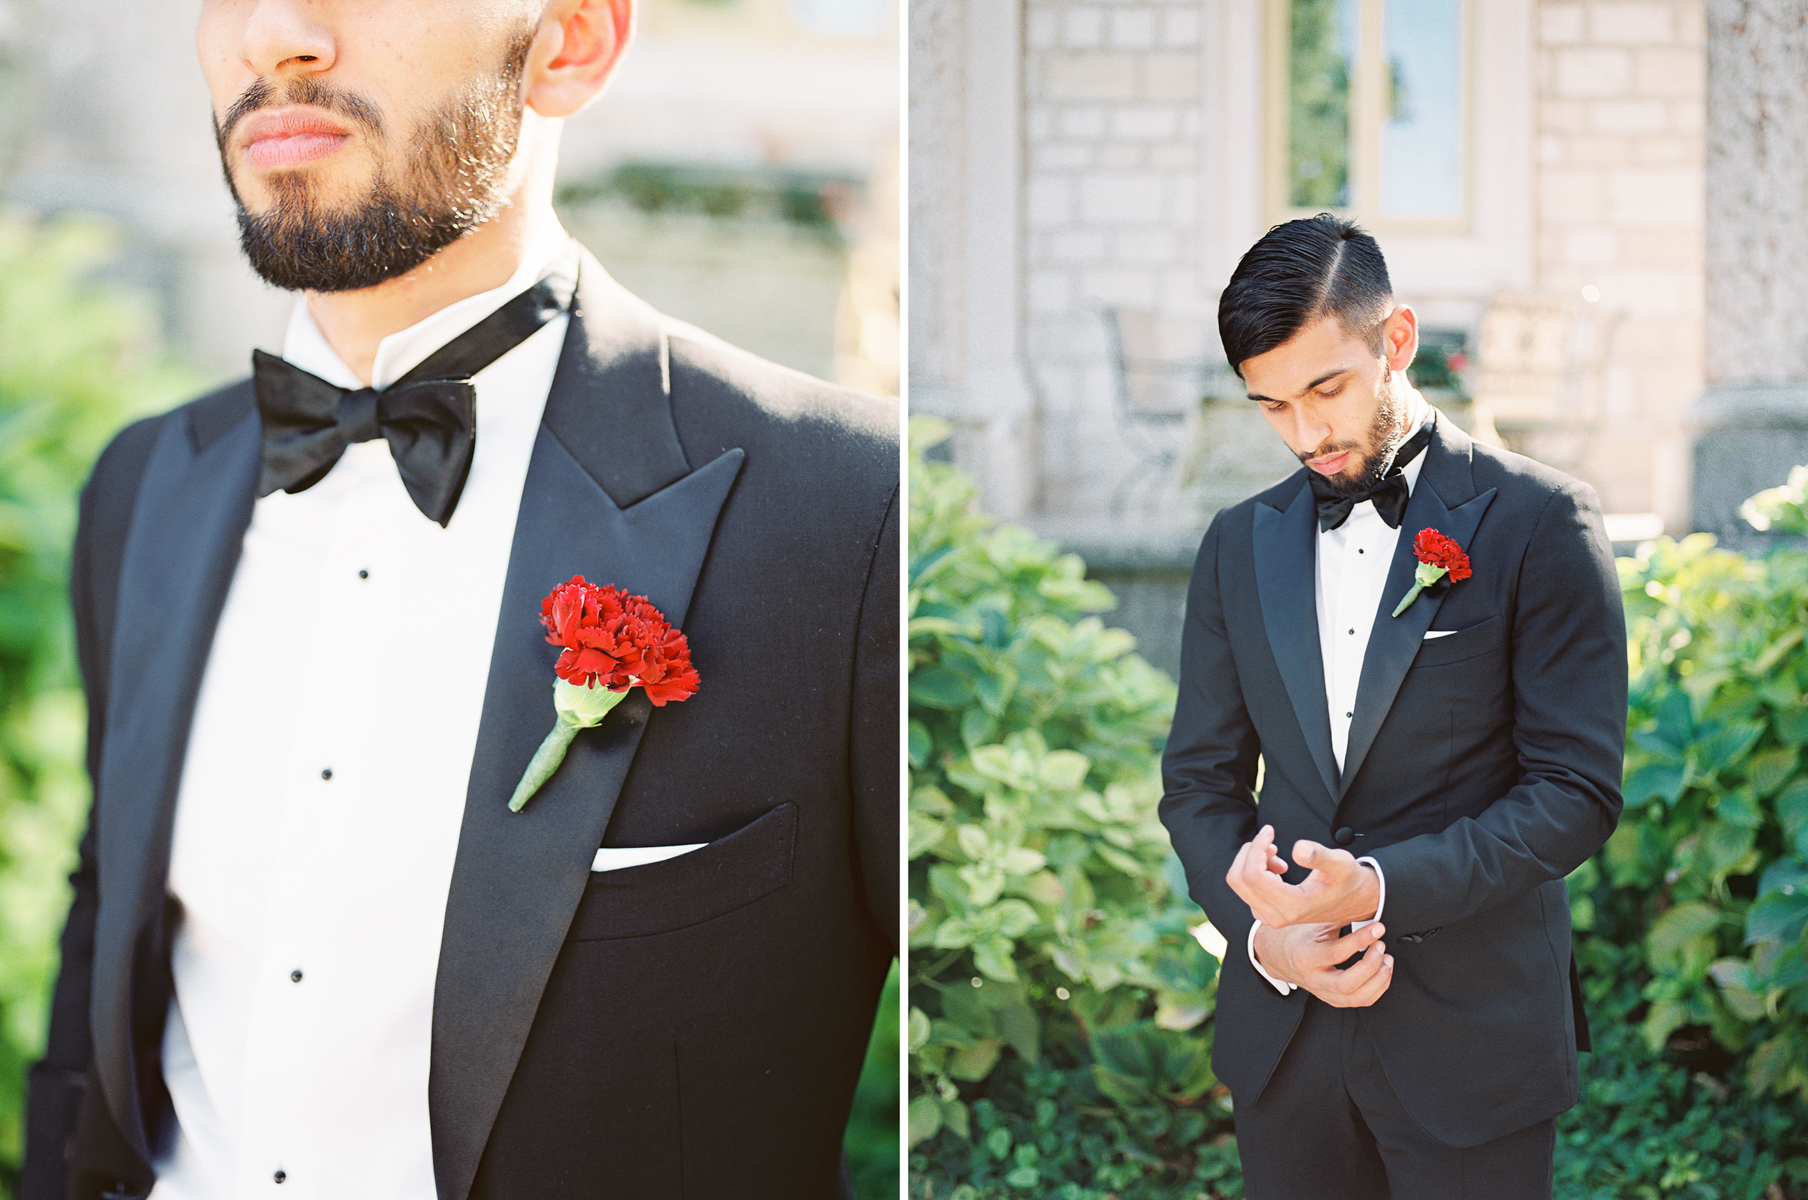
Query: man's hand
pixel 1307 956
pixel 1339 890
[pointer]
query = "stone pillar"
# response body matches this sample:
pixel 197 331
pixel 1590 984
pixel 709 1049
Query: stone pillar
pixel 965 268
pixel 1752 421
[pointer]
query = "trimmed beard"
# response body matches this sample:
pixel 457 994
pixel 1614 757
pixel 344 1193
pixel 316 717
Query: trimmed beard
pixel 452 181
pixel 1386 433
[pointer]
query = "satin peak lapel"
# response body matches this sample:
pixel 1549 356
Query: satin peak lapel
pixel 609 495
pixel 1445 499
pixel 1286 574
pixel 188 526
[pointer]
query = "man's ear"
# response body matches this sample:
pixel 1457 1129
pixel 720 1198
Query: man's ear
pixel 1400 338
pixel 574 53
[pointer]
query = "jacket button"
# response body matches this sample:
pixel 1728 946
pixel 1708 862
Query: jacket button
pixel 1344 835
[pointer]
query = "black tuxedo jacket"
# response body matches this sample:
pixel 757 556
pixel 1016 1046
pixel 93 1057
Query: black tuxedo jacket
pixel 1482 767
pixel 689 1028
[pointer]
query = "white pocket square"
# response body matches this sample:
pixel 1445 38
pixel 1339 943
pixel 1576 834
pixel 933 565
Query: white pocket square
pixel 1438 633
pixel 614 858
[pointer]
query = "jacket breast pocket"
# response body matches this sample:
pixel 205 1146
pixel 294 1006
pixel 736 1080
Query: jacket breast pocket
pixel 659 897
pixel 1461 645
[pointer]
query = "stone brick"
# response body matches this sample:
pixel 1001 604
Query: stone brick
pixel 1170 75
pixel 1049 203
pixel 1060 156
pixel 1553 151
pixel 1656 196
pixel 1180 27
pixel 1091 76
pixel 1049 291
pixel 1041 30
pixel 1143 122
pixel 1095 76
pixel 1681 250
pixel 1119 285
pixel 1562 116
pixel 1570 196
pixel 1038 122
pixel 1121 156
pixel 1670 72
pixel 1079 248
pixel 1628 116
pixel 1154 246
pixel 1668 150
pixel 1083 27
pixel 1650 292
pixel 1560 24
pixel 1599 150
pixel 1631 24
pixel 1082 120
pixel 1133 29
pixel 1121 198
pixel 1589 247
pixel 1180 157
pixel 1593 71
pixel 1688 116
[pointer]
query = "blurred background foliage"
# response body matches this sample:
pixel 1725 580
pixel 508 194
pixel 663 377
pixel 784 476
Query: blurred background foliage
pixel 79 357
pixel 1060 1021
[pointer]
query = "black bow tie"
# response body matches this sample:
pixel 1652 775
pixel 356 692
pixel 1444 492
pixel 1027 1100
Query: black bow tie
pixel 1390 495
pixel 428 416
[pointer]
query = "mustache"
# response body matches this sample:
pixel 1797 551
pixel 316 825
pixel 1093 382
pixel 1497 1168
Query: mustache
pixel 1325 450
pixel 264 94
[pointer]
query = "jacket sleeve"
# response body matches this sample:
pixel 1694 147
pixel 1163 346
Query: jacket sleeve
pixel 1209 766
pixel 873 731
pixel 1568 663
pixel 57 1083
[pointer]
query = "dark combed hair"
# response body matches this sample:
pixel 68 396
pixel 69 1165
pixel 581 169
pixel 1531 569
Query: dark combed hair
pixel 1297 273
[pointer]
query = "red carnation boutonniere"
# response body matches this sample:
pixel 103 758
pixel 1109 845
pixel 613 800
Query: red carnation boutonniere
pixel 1438 556
pixel 613 642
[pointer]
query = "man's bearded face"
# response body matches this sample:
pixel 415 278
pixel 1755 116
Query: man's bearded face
pixel 1370 456
pixel 430 184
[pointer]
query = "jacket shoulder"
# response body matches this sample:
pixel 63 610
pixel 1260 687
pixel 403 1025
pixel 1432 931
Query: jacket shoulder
pixel 724 396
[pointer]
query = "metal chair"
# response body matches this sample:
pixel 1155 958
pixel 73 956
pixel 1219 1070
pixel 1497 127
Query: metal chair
pixel 1153 396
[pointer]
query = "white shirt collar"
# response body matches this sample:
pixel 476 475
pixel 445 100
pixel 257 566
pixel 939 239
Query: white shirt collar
pixel 306 347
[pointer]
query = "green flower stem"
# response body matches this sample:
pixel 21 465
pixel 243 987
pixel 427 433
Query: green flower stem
pixel 545 761
pixel 1423 578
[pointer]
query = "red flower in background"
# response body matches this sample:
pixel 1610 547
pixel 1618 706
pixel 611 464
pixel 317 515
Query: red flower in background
pixel 1435 550
pixel 616 640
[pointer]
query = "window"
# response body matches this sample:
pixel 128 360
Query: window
pixel 1368 111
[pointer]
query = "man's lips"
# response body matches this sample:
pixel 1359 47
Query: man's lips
pixel 1329 465
pixel 287 137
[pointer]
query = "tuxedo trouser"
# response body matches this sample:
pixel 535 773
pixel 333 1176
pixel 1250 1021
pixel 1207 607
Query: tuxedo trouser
pixel 1329 1125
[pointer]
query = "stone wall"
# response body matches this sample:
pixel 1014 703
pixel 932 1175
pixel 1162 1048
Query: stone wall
pixel 1619 210
pixel 1753 418
pixel 1112 100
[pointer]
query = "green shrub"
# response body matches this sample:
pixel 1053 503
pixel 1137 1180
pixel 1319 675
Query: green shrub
pixel 1709 865
pixel 1051 957
pixel 76 359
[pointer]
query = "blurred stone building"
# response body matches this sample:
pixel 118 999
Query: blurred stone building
pixel 1086 173
pixel 739 172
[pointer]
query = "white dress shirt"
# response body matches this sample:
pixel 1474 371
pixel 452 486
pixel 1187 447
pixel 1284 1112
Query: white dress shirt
pixel 1352 562
pixel 322 796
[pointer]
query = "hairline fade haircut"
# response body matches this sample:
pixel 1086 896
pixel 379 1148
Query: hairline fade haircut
pixel 1297 273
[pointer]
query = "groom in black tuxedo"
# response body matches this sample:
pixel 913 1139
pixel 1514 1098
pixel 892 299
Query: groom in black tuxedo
pixel 1398 1013
pixel 312 953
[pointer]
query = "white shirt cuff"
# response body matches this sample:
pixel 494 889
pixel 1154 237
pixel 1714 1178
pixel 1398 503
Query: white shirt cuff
pixel 1285 989
pixel 1380 904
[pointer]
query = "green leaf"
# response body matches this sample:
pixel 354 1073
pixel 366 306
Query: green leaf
pixel 925 1118
pixel 1792 808
pixel 1776 917
pixel 1769 770
pixel 1738 988
pixel 1768 1062
pixel 938 687
pixel 975 1061
pixel 1679 926
pixel 919 743
pixel 1655 779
